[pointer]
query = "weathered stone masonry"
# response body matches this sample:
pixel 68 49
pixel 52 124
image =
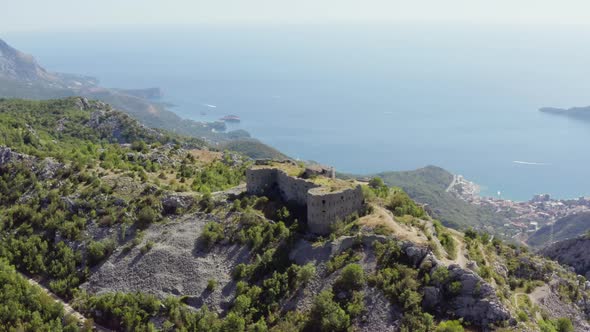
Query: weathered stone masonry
pixel 324 207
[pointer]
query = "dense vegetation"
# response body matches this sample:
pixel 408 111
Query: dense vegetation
pixel 24 307
pixel 75 170
pixel 73 167
pixel 427 186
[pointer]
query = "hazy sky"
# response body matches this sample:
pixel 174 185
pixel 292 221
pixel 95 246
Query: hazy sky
pixel 17 15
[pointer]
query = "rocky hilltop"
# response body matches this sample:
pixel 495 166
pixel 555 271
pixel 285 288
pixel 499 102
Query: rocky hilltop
pixel 142 229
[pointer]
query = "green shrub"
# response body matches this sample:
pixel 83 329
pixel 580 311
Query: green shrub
pixel 440 275
pixel 306 273
pixel 338 261
pixel 146 216
pixel 356 306
pixel 564 325
pixel 98 251
pixel 327 315
pixel 455 287
pixel 148 246
pixel 212 233
pixel 27 307
pixel 352 277
pixel 450 326
pixel 401 204
pixel 448 242
pixel 211 284
pixel 378 187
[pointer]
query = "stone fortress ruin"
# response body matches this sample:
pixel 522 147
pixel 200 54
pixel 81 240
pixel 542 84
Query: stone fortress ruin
pixel 314 188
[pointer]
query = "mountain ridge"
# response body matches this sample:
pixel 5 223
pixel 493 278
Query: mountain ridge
pixel 21 76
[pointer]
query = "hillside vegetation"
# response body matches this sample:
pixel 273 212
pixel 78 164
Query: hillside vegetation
pixel 428 186
pixel 143 230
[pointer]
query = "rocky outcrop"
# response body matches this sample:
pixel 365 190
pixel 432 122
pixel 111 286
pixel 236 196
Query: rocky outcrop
pixel 529 268
pixel 174 203
pixel 476 300
pixel 549 298
pixel 573 252
pixel 9 156
pixel 49 168
pixel 45 169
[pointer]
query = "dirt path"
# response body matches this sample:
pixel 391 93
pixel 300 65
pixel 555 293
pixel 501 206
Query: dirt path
pixel 540 293
pixel 69 311
pixel 381 216
pixel 461 253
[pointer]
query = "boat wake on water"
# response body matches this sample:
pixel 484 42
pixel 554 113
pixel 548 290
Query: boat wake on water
pixel 529 163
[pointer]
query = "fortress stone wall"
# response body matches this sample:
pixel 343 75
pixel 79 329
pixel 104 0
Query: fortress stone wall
pixel 324 207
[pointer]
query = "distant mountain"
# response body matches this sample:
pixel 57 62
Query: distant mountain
pixel 18 66
pixel 428 186
pixel 22 77
pixel 580 113
pixel 565 228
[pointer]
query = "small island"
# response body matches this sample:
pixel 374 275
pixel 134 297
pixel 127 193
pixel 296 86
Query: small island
pixel 231 118
pixel 580 113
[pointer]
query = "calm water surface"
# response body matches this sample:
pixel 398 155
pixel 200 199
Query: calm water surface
pixel 368 98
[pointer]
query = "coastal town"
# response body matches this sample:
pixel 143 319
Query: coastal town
pixel 521 216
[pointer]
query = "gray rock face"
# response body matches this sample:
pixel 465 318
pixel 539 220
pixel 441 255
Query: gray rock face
pixel 548 298
pixel 573 252
pixel 414 253
pixel 8 156
pixel 49 168
pixel 531 269
pixel 432 297
pixel 476 301
pixel 174 266
pixel 380 315
pixel 172 203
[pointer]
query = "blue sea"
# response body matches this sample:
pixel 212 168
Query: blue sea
pixel 367 98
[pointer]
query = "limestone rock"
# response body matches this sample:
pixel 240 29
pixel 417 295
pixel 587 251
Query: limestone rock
pixel 49 168
pixel 415 253
pixel 8 156
pixel 432 297
pixel 476 301
pixel 173 202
